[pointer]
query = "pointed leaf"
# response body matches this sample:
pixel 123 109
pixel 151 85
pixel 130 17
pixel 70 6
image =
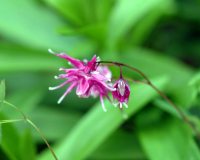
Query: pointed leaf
pixel 29 23
pixel 126 14
pixel 27 148
pixel 169 140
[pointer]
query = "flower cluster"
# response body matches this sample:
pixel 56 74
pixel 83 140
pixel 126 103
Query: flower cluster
pixel 90 78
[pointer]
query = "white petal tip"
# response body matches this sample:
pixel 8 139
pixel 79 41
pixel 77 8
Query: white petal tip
pixel 51 51
pixel 120 105
pixel 113 89
pixel 51 88
pixel 56 77
pixel 126 106
pixel 85 60
pixel 115 104
pixel 59 101
pixel 98 59
pixel 104 110
pixel 61 69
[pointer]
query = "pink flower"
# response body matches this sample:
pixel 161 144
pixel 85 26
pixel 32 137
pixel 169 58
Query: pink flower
pixel 122 92
pixel 88 78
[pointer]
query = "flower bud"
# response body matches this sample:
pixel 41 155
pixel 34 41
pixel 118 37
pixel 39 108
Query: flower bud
pixel 122 92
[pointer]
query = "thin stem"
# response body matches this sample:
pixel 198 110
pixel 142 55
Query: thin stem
pixel 3 121
pixel 33 125
pixel 43 137
pixel 121 72
pixel 148 82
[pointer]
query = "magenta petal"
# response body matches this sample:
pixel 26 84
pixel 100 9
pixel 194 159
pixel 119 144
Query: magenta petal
pixel 122 92
pixel 103 70
pixel 67 91
pixel 92 64
pixel 89 78
pixel 59 86
pixel 82 87
pixel 102 104
pixel 75 62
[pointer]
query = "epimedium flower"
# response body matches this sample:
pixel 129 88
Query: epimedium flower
pixel 87 77
pixel 90 79
pixel 122 92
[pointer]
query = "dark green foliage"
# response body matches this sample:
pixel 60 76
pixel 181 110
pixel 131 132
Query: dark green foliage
pixel 159 37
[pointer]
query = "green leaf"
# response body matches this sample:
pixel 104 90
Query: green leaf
pixel 195 81
pixel 145 26
pixel 120 145
pixel 169 140
pixel 70 9
pixel 26 59
pixel 27 99
pixel 162 104
pixel 43 116
pixel 21 61
pixel 96 126
pixel 29 23
pixel 2 90
pixel 126 14
pixel 9 140
pixel 26 147
pixel 81 12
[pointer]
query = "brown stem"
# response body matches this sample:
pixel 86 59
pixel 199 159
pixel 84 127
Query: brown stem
pixel 34 126
pixel 148 82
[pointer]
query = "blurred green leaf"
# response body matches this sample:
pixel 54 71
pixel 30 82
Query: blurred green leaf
pixel 126 14
pixel 120 145
pixel 169 109
pixel 48 118
pixel 85 12
pixel 29 23
pixel 188 10
pixel 195 81
pixel 96 126
pixel 30 97
pixel 9 140
pixel 162 104
pixel 15 58
pixel 152 115
pixel 144 26
pixel 70 9
pixel 27 148
pixel 169 140
pixel 2 90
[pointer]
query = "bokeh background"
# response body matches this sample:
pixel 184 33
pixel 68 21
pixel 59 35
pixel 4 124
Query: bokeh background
pixel 160 37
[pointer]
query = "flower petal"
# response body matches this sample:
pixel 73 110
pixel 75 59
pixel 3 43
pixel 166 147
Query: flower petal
pixel 67 91
pixel 82 87
pixel 103 70
pixel 92 64
pixel 75 62
pixel 102 104
pixel 59 86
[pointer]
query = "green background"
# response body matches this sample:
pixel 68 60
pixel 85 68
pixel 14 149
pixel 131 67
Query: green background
pixel 159 37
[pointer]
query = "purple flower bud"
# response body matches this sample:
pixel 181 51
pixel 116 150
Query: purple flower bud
pixel 122 92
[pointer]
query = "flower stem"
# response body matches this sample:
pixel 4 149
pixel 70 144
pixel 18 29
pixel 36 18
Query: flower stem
pixel 163 95
pixel 25 118
pixel 3 121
